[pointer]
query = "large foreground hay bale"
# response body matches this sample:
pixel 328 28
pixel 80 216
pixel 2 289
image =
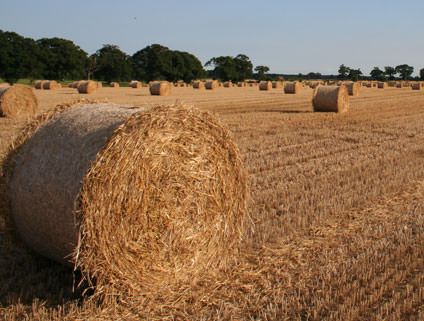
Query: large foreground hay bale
pixel 162 88
pixel 130 195
pixel 265 85
pixel 50 85
pixel 17 102
pixel 211 84
pixel 292 87
pixel 198 84
pixel 352 88
pixel 330 99
pixel 87 87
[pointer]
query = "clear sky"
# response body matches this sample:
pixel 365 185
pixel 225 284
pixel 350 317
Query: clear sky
pixel 288 36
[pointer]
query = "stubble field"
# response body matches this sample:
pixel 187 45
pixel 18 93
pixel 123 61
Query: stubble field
pixel 337 205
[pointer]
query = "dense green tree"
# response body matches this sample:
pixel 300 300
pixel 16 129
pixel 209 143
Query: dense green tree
pixel 404 71
pixel 422 74
pixel 260 72
pixel 390 72
pixel 343 71
pixel 19 57
pixel 231 68
pixel 354 74
pixel 112 64
pixel 378 74
pixel 62 59
pixel 314 75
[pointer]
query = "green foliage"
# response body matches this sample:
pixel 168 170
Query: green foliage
pixel 157 62
pixel 354 74
pixel 231 68
pixel 422 74
pixel 112 64
pixel 390 72
pixel 313 75
pixel 61 59
pixel 18 57
pixel 260 72
pixel 343 71
pixel 378 74
pixel 404 71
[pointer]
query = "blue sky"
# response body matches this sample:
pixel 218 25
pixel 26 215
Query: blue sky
pixel 288 36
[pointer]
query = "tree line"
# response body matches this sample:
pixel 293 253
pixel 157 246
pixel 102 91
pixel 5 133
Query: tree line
pixel 403 72
pixel 61 59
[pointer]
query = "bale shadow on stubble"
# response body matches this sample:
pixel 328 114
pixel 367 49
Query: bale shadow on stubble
pixel 288 111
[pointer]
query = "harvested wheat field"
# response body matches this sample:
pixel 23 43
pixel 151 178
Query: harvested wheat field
pixel 337 214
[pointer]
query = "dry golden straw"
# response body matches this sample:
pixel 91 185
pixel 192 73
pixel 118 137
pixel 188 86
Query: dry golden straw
pixel 228 84
pixel 330 99
pixel 162 88
pixel 129 196
pixel 265 85
pixel 416 86
pixel 292 87
pixel 99 84
pixel 50 85
pixel 17 102
pixel 135 84
pixel 39 84
pixel 382 85
pixel 87 87
pixel 277 84
pixel 114 84
pixel 211 84
pixel 352 88
pixel 198 84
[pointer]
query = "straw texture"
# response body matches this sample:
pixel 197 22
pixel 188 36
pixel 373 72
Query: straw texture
pixel 292 87
pixel 162 88
pixel 17 102
pixel 50 85
pixel 265 85
pixel 331 99
pixel 87 87
pixel 130 196
pixel 211 84
pixel 352 88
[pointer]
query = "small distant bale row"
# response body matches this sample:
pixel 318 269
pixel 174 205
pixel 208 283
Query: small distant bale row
pixel 47 84
pixel 330 99
pixel 17 102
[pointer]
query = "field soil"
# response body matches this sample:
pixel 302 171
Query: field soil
pixel 337 206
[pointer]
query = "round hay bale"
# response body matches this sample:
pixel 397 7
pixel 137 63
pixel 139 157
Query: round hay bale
pixel 277 84
pixel 17 102
pixel 182 84
pixel 228 84
pixel 352 88
pixel 292 87
pixel 211 84
pixel 416 86
pixel 99 84
pixel 330 99
pixel 39 84
pixel 127 195
pixel 135 84
pixel 265 85
pixel 198 84
pixel 162 88
pixel 114 84
pixel 87 87
pixel 382 85
pixel 50 85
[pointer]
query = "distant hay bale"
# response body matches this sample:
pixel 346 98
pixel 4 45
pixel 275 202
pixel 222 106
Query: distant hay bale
pixel 277 84
pixel 265 85
pixel 292 87
pixel 416 86
pixel 198 84
pixel 50 85
pixel 87 87
pixel 162 88
pixel 182 84
pixel 382 85
pixel 228 84
pixel 129 195
pixel 17 102
pixel 352 88
pixel 135 84
pixel 330 99
pixel 211 84
pixel 99 85
pixel 114 84
pixel 314 84
pixel 39 84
